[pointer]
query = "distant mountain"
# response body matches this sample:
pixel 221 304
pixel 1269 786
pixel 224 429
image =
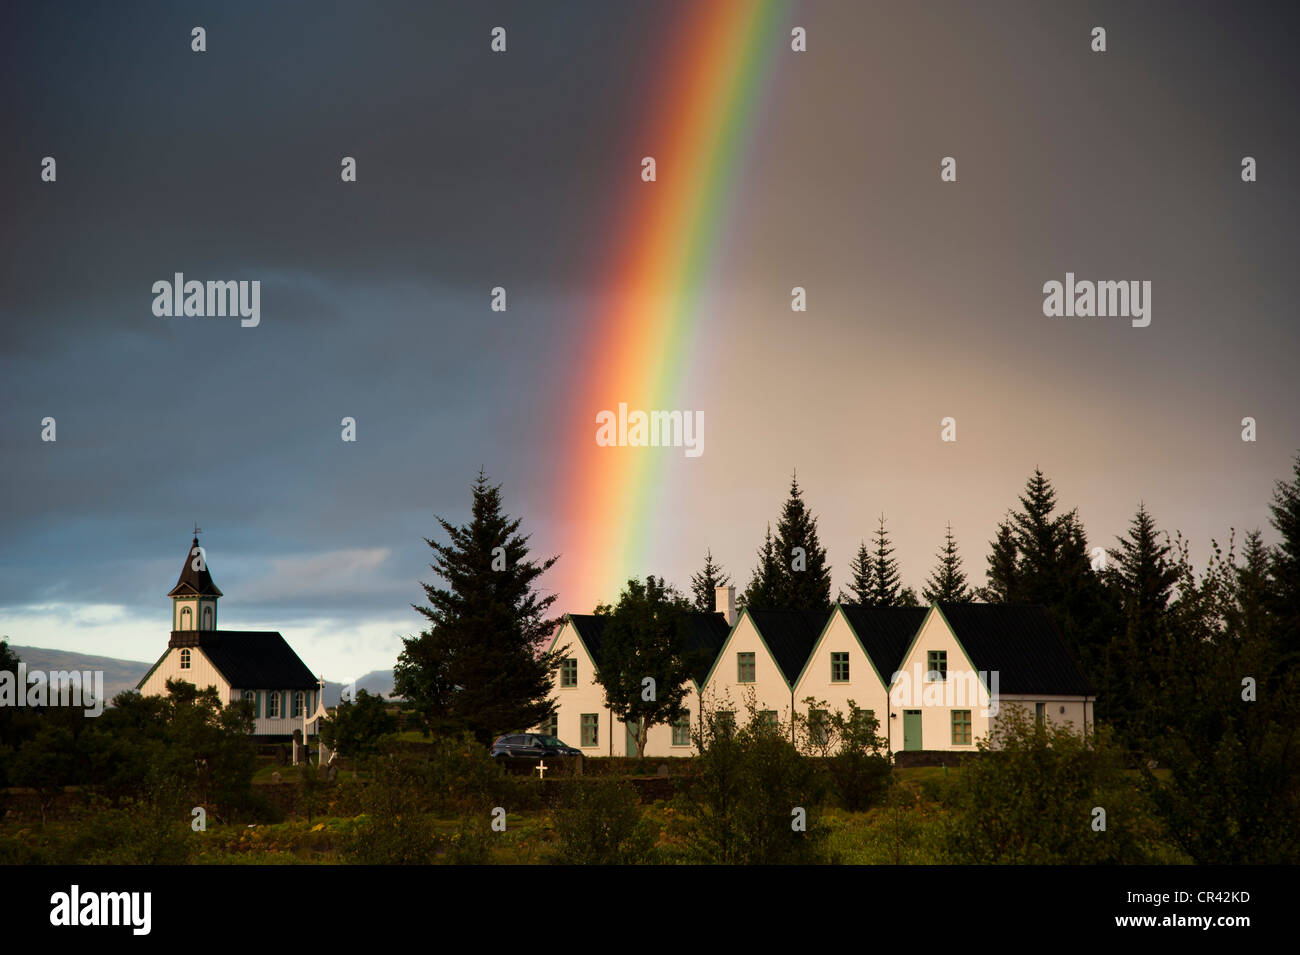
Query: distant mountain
pixel 376 681
pixel 119 675
pixel 122 675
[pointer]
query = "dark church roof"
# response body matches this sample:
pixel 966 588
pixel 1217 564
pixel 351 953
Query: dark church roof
pixel 790 635
pixel 885 633
pixel 247 659
pixel 1020 642
pixel 194 582
pixel 708 632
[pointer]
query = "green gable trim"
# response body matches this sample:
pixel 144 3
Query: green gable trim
pixel 722 651
pixel 145 678
pixel 934 609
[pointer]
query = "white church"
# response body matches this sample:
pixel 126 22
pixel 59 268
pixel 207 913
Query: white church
pixel 936 679
pixel 254 665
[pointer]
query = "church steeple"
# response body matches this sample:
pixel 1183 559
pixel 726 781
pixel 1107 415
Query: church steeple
pixel 194 598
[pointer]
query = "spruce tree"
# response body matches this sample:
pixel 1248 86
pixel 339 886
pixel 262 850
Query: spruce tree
pixel 1143 577
pixel 805 573
pixel 947 582
pixel 763 592
pixel 476 667
pixel 861 588
pixel 1001 574
pixel 885 578
pixel 1253 589
pixel 1038 538
pixel 705 584
pixel 1284 599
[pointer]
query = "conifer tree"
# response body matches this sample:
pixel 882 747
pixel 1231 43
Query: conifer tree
pixel 1038 537
pixel 1284 599
pixel 477 667
pixel 1143 577
pixel 947 582
pixel 885 578
pixel 705 584
pixel 1253 590
pixel 861 589
pixel 1001 573
pixel 805 573
pixel 763 592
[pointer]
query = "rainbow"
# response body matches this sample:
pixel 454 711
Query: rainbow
pixel 664 245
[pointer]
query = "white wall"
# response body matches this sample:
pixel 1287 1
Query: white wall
pixel 865 687
pixel 909 690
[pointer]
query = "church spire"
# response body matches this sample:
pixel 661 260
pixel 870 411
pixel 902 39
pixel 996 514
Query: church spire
pixel 194 598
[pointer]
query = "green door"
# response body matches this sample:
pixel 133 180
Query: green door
pixel 631 738
pixel 911 729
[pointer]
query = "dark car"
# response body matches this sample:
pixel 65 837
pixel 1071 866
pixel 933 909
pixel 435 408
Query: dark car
pixel 531 746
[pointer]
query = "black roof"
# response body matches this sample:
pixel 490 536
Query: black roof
pixel 250 659
pixel 885 633
pixel 708 632
pixel 1020 642
pixel 194 582
pixel 790 635
pixel 591 628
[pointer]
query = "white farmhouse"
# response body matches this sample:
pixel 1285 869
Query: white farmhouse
pixel 936 679
pixel 582 718
pixel 254 665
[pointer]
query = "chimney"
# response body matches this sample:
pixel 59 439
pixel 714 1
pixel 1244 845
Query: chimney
pixel 724 602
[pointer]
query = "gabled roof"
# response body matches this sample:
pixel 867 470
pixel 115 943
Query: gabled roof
pixel 194 582
pixel 790 636
pixel 1020 642
pixel 885 633
pixel 248 659
pixel 707 633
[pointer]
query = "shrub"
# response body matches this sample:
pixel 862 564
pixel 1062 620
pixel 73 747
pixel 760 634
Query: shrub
pixel 1031 798
pixel 743 803
pixel 600 823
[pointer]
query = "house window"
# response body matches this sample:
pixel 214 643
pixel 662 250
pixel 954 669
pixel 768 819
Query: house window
pixel 590 729
pixel 185 659
pixel 839 668
pixel 552 725
pixel 726 723
pixel 299 703
pixel 937 666
pixel 768 719
pixel 569 672
pixel 273 706
pixel 1040 711
pixel 961 727
pixel 817 727
pixel 682 730
pixel 744 668
pixel 863 718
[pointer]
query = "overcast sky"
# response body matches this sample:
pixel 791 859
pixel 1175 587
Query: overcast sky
pixel 477 170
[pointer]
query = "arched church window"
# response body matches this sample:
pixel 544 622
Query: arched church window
pixel 185 659
pixel 207 618
pixel 187 619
